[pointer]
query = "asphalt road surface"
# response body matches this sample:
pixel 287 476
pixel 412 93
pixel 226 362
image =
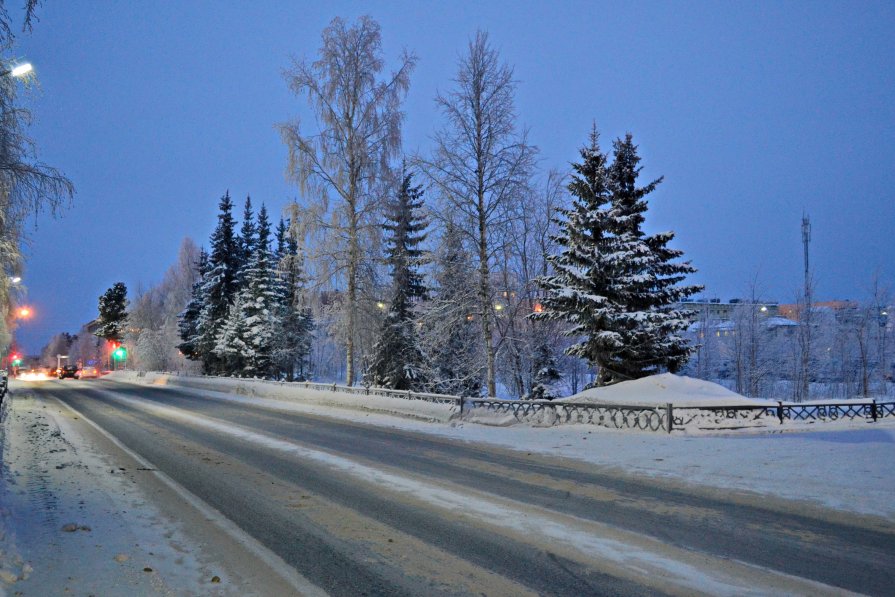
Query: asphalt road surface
pixel 366 510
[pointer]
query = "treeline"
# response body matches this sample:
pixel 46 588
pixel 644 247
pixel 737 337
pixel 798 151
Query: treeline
pixel 848 348
pixel 247 313
pixel 463 271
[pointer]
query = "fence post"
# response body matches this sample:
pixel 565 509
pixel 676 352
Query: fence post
pixel 780 411
pixel 461 406
pixel 873 410
pixel 669 420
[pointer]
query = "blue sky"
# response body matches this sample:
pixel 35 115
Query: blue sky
pixel 753 112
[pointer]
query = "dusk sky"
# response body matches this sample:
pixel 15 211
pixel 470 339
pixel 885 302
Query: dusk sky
pixel 753 112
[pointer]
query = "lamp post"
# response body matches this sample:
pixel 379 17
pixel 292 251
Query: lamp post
pixel 19 70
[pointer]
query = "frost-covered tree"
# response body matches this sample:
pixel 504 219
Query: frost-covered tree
pixel 281 239
pixel 233 349
pixel 188 321
pixel 248 236
pixel 219 287
pixel 27 185
pixel 397 361
pixel 482 167
pixel 358 133
pixel 113 313
pixel 450 336
pixel 545 385
pixel 579 290
pixel 292 346
pixel 254 319
pixel 648 278
pixel 613 284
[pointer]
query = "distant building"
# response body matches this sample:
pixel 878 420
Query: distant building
pixel 714 309
pixel 841 309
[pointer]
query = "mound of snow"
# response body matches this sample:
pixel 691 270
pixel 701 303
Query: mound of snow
pixel 657 390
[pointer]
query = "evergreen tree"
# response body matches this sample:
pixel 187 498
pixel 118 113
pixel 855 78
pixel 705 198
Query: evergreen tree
pixel 219 287
pixel 248 235
pixel 648 278
pixel 256 321
pixel 113 313
pixel 282 241
pixel 579 292
pixel 397 360
pixel 451 335
pixel 293 343
pixel 546 373
pixel 614 285
pixel 188 320
pixel 234 349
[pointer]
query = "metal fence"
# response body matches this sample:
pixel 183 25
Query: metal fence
pixel 665 418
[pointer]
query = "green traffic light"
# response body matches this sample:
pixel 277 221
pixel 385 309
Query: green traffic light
pixel 119 353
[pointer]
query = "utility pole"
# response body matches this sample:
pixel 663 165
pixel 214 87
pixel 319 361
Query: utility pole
pixel 806 238
pixel 803 389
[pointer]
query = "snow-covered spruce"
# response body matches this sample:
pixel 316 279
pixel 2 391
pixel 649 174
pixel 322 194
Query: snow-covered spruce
pixel 615 285
pixel 397 359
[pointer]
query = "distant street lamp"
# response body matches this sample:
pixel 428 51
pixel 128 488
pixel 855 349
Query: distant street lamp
pixel 18 71
pixel 15 279
pixel 24 312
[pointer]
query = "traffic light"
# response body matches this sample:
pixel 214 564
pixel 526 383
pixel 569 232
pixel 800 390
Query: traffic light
pixel 119 353
pixel 15 359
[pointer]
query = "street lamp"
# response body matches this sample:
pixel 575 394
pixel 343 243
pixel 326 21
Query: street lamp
pixel 22 70
pixel 15 279
pixel 18 71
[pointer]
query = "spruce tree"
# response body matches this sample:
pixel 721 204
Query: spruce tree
pixel 546 374
pixel 451 335
pixel 248 235
pixel 256 321
pixel 648 278
pixel 397 361
pixel 234 349
pixel 282 241
pixel 293 343
pixel 188 320
pixel 219 287
pixel 616 286
pixel 580 290
pixel 113 313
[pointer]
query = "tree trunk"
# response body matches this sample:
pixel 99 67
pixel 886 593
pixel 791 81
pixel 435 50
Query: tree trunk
pixel 353 259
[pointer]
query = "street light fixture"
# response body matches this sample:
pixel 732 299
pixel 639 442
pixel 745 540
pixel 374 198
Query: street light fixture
pixel 21 70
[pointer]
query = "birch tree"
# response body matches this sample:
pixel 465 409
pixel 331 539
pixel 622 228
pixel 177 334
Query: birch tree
pixel 482 166
pixel 27 185
pixel 341 158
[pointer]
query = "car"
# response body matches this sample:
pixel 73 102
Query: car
pixel 68 371
pixel 89 371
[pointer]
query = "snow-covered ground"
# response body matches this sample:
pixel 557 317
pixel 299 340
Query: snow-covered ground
pixel 847 465
pixel 63 500
pixel 79 517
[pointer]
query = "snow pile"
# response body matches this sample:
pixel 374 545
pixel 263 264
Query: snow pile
pixel 658 390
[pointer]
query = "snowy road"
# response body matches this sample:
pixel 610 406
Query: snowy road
pixel 357 509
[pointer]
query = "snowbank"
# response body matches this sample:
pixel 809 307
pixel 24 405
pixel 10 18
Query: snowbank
pixel 658 390
pixel 260 390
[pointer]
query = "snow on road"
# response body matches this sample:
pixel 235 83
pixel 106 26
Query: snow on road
pixel 75 519
pixel 846 465
pixel 63 501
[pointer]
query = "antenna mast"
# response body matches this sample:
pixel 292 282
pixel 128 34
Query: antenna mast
pixel 806 238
